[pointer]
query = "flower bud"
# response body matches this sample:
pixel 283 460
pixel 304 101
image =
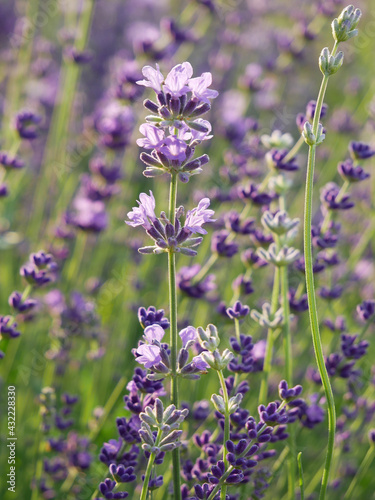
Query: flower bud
pixel 329 64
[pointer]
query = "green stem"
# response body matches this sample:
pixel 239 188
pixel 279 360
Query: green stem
pixel 314 320
pixel 146 481
pixel 294 149
pixel 270 339
pixel 173 334
pixel 287 341
pixel 363 468
pixel 237 327
pixel 223 492
pixel 301 480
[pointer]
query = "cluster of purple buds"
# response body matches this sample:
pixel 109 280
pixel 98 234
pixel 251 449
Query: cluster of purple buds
pixel 332 199
pixel 27 124
pixel 40 269
pixel 276 160
pixel 352 350
pixel 188 284
pixel 151 316
pixel 352 173
pixel 360 150
pixel 238 311
pixel 170 235
pixel 175 127
pixel 366 310
pixel 8 162
pixel 20 304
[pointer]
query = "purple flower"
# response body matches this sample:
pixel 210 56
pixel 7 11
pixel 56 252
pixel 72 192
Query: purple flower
pixel 10 162
pixel 200 363
pixel 366 309
pixel 154 136
pixel 220 244
pixel 26 124
pixel 154 78
pixel 88 215
pixel 151 316
pixel 15 300
pixel 360 150
pixel 148 355
pixel 350 172
pixel 153 332
pixel 185 281
pixel 199 87
pixel 238 311
pixel 140 215
pixel 188 334
pixel 8 327
pixel 174 149
pixel 177 79
pixel 198 216
pixel 330 198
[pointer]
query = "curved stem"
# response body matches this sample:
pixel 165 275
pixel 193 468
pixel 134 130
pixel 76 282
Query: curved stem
pixel 301 479
pixel 309 274
pixel 314 320
pixel 173 334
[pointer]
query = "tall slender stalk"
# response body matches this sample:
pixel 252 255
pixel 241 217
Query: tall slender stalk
pixel 313 313
pixel 223 491
pixel 173 334
pixel 270 338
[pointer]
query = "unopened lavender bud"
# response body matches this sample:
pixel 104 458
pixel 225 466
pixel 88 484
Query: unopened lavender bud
pixel 329 64
pixel 200 110
pixel 173 436
pixel 344 26
pixel 218 403
pixel 175 106
pixel 159 410
pixel 199 127
pixel 153 119
pixel 151 106
pixel 146 250
pixel 183 177
pixel 308 134
pixel 168 412
pixel 235 402
pixel 190 107
pixel 182 358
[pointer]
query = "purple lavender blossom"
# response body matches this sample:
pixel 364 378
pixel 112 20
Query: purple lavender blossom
pixel 198 216
pixel 188 334
pixel 141 215
pixel 199 87
pixel 177 79
pixel 148 355
pixel 352 173
pixel 153 332
pixel 360 150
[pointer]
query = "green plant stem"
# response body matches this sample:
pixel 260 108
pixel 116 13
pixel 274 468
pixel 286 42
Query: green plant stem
pixel 223 491
pixel 270 339
pixel 287 341
pixel 146 481
pixel 313 313
pixel 301 479
pixel 237 328
pixel 294 149
pixel 363 468
pixel 173 334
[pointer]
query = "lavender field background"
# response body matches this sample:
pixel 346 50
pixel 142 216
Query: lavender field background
pixel 72 280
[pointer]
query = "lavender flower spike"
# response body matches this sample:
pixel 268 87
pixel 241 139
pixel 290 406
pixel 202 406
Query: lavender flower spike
pixel 198 216
pixel 140 216
pixel 153 332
